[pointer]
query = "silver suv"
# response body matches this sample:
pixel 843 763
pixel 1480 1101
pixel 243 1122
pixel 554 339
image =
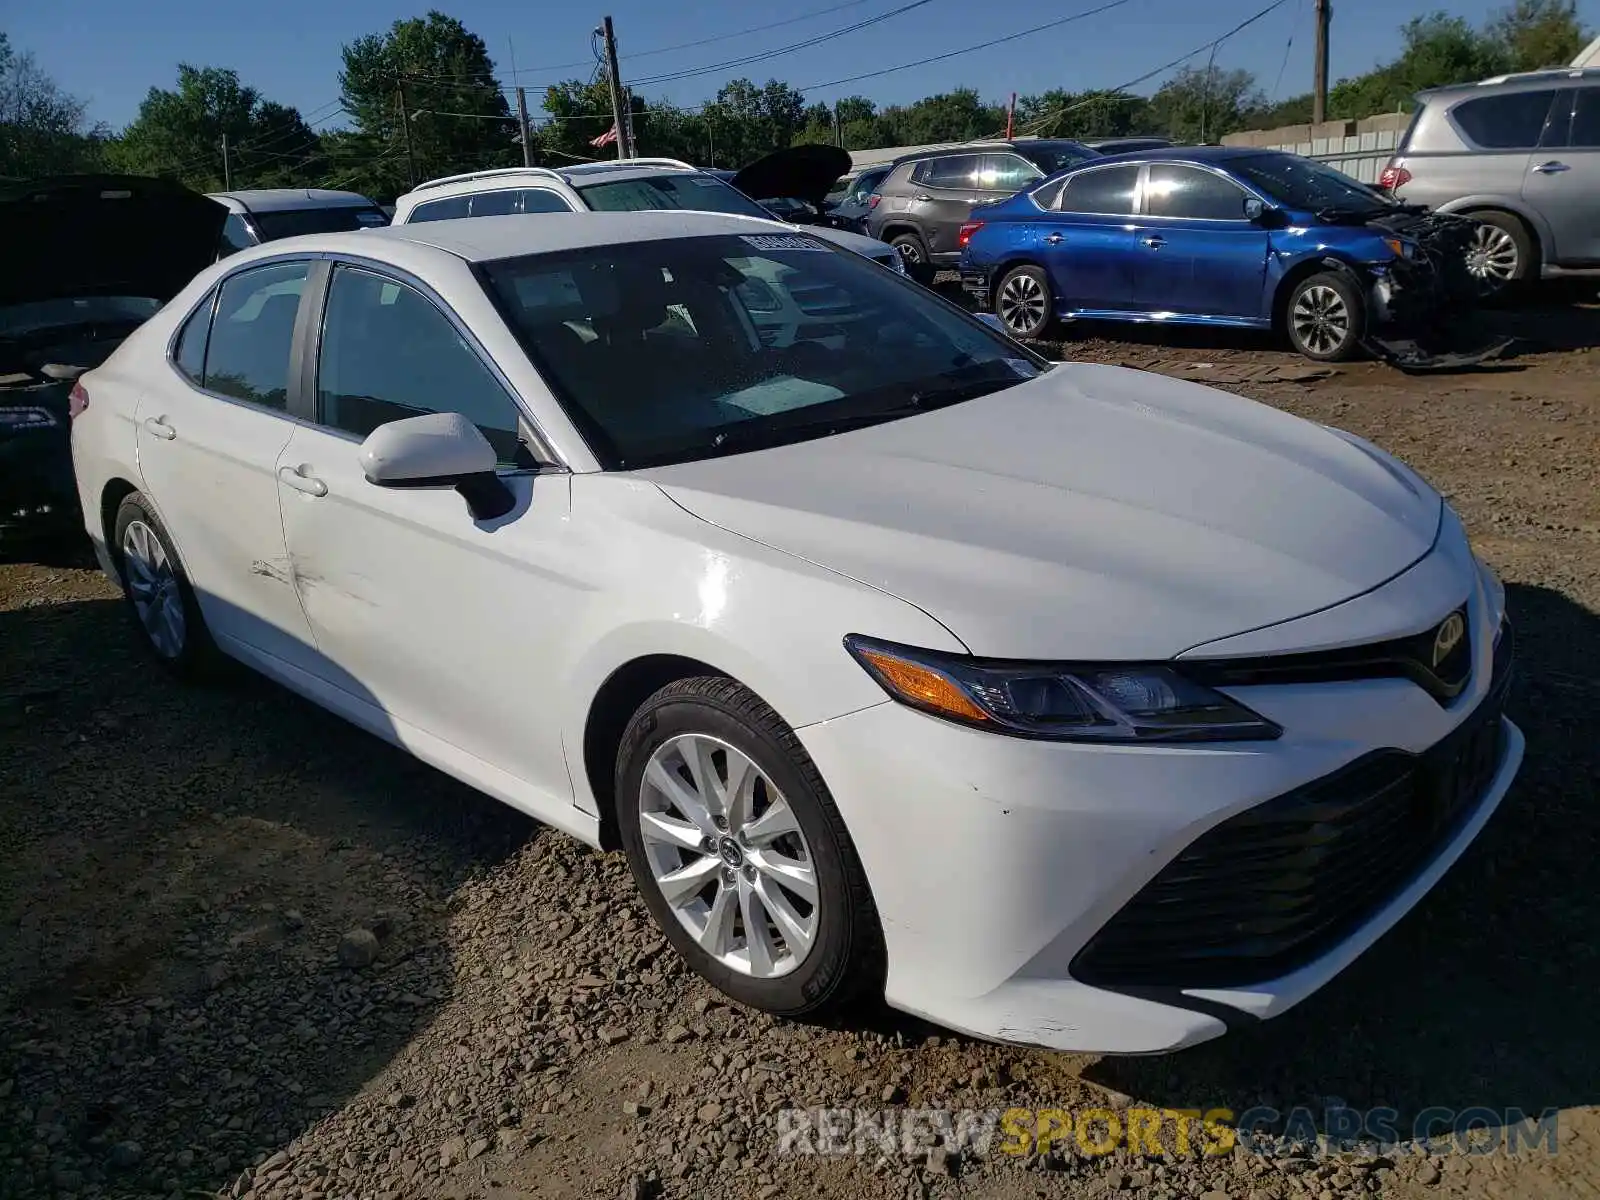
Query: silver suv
pixel 1521 153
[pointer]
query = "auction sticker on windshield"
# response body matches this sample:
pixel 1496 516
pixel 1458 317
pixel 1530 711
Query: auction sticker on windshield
pixel 780 241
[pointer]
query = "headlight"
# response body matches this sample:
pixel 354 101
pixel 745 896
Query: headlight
pixel 1078 702
pixel 1400 247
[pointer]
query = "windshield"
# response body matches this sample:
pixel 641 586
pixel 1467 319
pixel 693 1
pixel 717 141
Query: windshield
pixel 702 193
pixel 693 347
pixel 1296 182
pixel 291 222
pixel 1051 157
pixel 18 320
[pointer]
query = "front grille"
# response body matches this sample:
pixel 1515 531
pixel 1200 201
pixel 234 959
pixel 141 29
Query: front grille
pixel 1275 887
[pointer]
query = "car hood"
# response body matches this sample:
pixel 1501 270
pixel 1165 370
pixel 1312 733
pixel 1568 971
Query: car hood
pixel 104 235
pixel 1092 512
pixel 860 243
pixel 805 172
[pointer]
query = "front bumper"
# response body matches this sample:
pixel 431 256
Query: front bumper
pixel 995 861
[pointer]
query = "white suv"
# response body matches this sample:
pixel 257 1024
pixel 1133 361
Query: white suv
pixel 629 185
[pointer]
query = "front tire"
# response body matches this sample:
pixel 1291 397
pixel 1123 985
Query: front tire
pixel 156 589
pixel 741 855
pixel 1022 302
pixel 1326 317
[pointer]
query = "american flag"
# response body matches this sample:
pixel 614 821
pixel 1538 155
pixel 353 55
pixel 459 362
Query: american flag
pixel 606 138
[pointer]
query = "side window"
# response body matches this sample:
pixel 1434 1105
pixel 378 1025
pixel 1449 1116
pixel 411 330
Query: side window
pixel 388 353
pixel 442 210
pixel 494 204
pixel 1510 122
pixel 1586 120
pixel 954 171
pixel 1108 192
pixel 1006 173
pixel 190 352
pixel 247 356
pixel 235 236
pixel 542 200
pixel 1173 191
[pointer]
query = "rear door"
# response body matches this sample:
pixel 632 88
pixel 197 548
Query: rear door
pixel 945 189
pixel 1088 246
pixel 1504 130
pixel 209 432
pixel 1196 254
pixel 1563 179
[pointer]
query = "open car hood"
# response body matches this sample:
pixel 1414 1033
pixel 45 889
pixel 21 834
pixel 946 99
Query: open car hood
pixel 103 235
pixel 804 172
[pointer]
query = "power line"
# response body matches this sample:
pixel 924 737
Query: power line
pixel 1288 46
pixel 1102 93
pixel 1010 37
pixel 763 56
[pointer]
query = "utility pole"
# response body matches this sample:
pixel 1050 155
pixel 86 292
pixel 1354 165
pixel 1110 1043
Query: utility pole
pixel 522 123
pixel 838 129
pixel 614 77
pixel 1011 113
pixel 227 169
pixel 1319 69
pixel 405 129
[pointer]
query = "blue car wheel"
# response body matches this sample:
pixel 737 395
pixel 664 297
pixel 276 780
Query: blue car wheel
pixel 1022 302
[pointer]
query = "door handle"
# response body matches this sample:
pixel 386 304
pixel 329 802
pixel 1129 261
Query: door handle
pixel 1550 168
pixel 160 428
pixel 1154 242
pixel 922 199
pixel 1052 239
pixel 308 484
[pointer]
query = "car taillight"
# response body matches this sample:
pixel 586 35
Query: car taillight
pixel 1393 177
pixel 77 400
pixel 967 230
pixel 872 200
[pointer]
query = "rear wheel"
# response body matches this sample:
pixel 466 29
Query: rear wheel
pixel 740 854
pixel 1326 317
pixel 1500 257
pixel 910 248
pixel 1022 302
pixel 156 588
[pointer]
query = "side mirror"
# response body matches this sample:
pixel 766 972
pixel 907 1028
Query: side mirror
pixel 1253 209
pixel 435 451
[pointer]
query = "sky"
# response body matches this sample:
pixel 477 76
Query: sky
pixel 111 52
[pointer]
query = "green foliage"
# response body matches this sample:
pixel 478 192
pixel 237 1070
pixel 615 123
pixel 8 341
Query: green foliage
pixel 1538 33
pixel 460 118
pixel 42 129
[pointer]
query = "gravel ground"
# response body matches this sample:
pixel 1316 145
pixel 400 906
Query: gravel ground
pixel 248 950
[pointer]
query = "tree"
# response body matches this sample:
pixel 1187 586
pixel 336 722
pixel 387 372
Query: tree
pixel 1538 33
pixel 1437 49
pixel 1200 105
pixel 42 129
pixel 1093 114
pixel 460 120
pixel 179 134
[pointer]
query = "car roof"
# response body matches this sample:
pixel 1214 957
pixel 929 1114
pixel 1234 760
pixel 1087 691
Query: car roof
pixel 485 239
pixel 1194 154
pixel 1516 82
pixel 288 199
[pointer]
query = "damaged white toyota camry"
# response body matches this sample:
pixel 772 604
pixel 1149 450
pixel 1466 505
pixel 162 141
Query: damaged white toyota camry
pixel 1059 704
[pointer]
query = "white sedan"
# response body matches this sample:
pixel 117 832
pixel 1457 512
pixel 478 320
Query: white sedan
pixel 1060 704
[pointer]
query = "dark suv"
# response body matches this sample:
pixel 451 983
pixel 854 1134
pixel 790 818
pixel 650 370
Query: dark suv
pixel 927 197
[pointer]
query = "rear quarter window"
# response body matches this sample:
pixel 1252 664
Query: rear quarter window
pixel 1512 121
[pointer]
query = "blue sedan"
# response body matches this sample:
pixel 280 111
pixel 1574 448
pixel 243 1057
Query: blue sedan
pixel 1216 235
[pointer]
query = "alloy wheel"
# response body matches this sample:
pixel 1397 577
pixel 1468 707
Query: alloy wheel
pixel 728 855
pixel 1321 319
pixel 1022 304
pixel 910 252
pixel 1492 257
pixel 153 587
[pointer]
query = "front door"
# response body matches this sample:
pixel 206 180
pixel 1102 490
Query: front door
pixel 421 612
pixel 1197 255
pixel 209 433
pixel 1088 246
